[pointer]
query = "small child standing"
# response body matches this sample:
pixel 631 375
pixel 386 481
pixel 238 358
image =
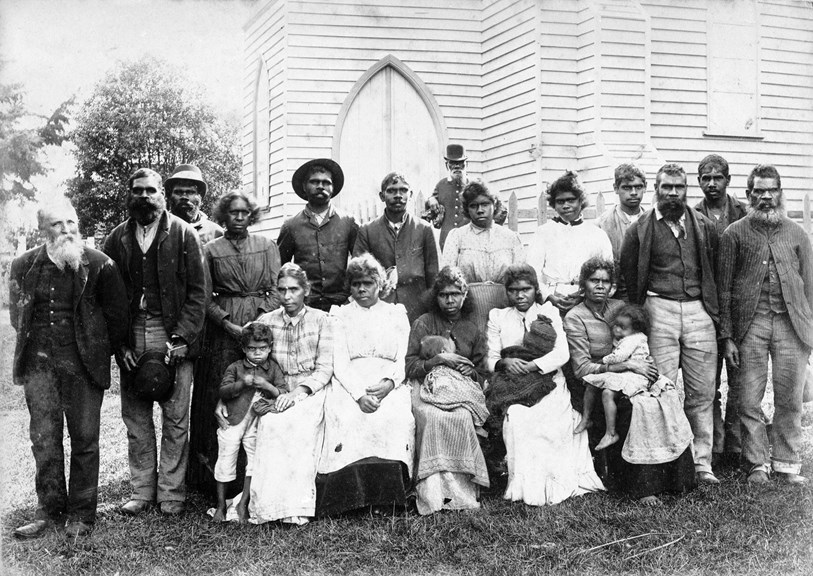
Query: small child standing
pixel 254 377
pixel 630 330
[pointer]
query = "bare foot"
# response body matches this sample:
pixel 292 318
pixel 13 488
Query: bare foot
pixel 220 514
pixel 607 440
pixel 242 513
pixel 650 501
pixel 583 425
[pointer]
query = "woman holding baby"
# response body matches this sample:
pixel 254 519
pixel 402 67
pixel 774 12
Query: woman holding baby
pixel 449 465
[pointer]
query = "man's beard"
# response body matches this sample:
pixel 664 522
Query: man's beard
pixel 66 250
pixel 146 210
pixel 459 178
pixel 766 218
pixel 185 211
pixel 672 210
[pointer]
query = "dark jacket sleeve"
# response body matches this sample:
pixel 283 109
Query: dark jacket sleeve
pixel 479 351
pixel 726 266
pixel 413 362
pixel 193 311
pixel 629 262
pixel 430 256
pixel 112 298
pixel 362 242
pixel 231 385
pixel 285 243
pixel 351 238
pixel 14 286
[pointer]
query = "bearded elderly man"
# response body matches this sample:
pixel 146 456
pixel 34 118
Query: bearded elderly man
pixel 161 262
pixel 69 309
pixel 185 190
pixel 766 304
pixel 668 260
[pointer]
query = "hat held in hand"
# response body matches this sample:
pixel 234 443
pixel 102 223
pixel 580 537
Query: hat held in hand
pixel 153 379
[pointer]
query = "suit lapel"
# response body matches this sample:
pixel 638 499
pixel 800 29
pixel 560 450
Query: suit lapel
pixel 80 280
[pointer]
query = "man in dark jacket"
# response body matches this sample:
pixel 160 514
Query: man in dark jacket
pixel 161 261
pixel 766 305
pixel 320 238
pixel 722 209
pixel 405 246
pixel 69 309
pixel 668 258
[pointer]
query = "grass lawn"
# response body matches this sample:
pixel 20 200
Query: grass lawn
pixel 726 529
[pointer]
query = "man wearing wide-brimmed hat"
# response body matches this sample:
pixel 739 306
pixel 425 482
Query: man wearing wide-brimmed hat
pixel 319 238
pixel 448 194
pixel 185 190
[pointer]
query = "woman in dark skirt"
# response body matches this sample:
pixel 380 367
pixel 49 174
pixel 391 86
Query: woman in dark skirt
pixel 590 339
pixel 243 269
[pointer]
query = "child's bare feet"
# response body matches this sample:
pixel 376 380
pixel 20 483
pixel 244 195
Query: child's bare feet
pixel 242 512
pixel 583 425
pixel 650 501
pixel 220 514
pixel 607 440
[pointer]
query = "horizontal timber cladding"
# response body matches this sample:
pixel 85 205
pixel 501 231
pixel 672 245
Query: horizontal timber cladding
pixel 535 87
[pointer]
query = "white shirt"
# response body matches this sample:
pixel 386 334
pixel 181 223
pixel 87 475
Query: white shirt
pixel 507 326
pixel 146 234
pixel 558 250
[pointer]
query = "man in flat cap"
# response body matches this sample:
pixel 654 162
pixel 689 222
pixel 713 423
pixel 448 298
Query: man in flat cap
pixel 69 309
pixel 161 261
pixel 185 190
pixel 403 244
pixel 319 238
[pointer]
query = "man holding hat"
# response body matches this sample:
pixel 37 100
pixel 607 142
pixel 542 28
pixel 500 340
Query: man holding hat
pixel 161 262
pixel 68 306
pixel 185 190
pixel 319 238
pixel 449 193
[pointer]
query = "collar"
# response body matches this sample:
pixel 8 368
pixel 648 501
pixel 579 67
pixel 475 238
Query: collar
pixel 627 217
pixel 249 364
pixel 293 320
pixel 681 221
pixel 229 236
pixel 328 214
pixel 477 230
pixel 149 227
pixel 576 222
pixel 395 225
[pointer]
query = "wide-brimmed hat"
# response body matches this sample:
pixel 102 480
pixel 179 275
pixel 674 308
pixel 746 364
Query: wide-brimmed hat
pixel 187 172
pixel 298 181
pixel 152 378
pixel 455 153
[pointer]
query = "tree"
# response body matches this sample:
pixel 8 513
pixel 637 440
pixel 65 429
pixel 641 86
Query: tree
pixel 145 114
pixel 21 147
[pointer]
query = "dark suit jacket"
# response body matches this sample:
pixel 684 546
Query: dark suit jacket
pixel 637 250
pixel 99 310
pixel 414 253
pixel 734 210
pixel 181 276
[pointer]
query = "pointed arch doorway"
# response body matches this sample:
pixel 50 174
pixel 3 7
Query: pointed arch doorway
pixel 389 121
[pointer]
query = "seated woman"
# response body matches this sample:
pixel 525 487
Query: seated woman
pixel 369 429
pixel 482 251
pixel 547 462
pixel 449 465
pixel 290 431
pixel 664 461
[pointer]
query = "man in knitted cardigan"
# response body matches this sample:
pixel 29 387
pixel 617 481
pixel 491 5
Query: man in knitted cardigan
pixel 766 308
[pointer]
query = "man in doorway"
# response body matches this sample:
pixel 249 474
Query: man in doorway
pixel 722 209
pixel 185 190
pixel 768 251
pixel 320 238
pixel 161 262
pixel 668 261
pixel 630 186
pixel 68 306
pixel 402 244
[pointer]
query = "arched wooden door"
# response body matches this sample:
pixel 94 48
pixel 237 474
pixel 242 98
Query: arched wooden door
pixel 389 121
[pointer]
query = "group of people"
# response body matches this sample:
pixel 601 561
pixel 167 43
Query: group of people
pixel 349 367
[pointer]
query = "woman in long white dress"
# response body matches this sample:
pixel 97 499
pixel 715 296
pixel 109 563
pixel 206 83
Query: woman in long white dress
pixel 289 437
pixel 369 429
pixel 547 462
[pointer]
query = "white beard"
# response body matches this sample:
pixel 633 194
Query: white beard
pixel 65 251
